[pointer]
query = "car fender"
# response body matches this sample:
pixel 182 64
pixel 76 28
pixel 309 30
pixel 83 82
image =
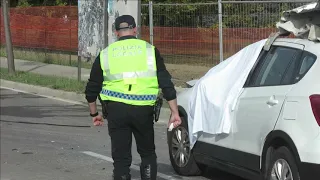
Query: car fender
pixel 271 139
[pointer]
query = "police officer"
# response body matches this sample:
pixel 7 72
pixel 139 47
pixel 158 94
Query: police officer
pixel 126 76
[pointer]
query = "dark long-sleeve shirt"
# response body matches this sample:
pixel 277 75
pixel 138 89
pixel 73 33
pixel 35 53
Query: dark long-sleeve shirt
pixel 94 85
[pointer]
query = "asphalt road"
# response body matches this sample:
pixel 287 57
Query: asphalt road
pixel 48 139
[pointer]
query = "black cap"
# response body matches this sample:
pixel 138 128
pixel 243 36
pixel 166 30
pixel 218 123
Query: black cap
pixel 127 20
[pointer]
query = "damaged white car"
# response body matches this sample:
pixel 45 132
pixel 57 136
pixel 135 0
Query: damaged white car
pixel 257 114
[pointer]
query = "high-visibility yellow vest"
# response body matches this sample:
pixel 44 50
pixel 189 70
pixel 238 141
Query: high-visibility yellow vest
pixel 130 72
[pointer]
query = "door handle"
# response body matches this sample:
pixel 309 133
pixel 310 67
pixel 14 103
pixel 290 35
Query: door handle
pixel 272 101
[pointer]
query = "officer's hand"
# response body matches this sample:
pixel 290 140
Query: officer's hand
pixel 97 121
pixel 175 119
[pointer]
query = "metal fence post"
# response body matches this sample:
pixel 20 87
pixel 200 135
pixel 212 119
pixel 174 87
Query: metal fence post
pixel 139 20
pixel 10 55
pixel 79 68
pixel 220 30
pixel 151 21
pixel 106 19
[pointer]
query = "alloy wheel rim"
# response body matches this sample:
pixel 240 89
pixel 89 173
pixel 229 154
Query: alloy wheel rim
pixel 180 147
pixel 281 171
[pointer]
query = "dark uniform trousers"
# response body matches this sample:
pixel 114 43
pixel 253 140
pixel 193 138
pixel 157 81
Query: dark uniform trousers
pixel 123 121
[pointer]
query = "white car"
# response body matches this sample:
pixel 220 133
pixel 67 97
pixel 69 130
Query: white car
pixel 277 116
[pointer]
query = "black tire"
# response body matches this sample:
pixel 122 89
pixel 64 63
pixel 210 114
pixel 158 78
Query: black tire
pixel 190 167
pixel 283 154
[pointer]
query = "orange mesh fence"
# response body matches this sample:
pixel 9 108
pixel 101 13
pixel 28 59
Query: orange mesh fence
pixel 203 41
pixel 56 28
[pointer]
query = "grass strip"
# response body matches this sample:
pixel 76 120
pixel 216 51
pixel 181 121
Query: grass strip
pixel 53 82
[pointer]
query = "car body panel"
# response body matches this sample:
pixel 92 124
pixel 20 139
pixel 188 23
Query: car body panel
pixel 258 109
pixel 297 118
pixel 255 119
pixel 273 115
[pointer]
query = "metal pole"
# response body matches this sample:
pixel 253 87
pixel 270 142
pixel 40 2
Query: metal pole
pixel 106 18
pixel 151 21
pixel 139 19
pixel 220 30
pixel 79 68
pixel 70 54
pixel 10 56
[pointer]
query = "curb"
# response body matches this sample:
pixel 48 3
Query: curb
pixel 70 97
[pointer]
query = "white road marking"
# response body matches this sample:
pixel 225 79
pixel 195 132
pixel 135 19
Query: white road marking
pixel 49 97
pixel 135 167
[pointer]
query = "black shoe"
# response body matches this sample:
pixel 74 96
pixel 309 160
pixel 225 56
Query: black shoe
pixel 148 172
pixel 123 177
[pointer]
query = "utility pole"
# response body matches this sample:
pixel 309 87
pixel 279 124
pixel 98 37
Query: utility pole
pixel 10 57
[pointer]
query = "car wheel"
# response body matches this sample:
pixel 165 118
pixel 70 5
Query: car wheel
pixel 181 156
pixel 282 166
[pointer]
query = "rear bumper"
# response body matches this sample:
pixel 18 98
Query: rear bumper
pixel 309 171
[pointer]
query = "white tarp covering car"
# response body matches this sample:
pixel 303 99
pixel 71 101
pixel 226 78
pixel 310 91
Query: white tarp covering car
pixel 215 95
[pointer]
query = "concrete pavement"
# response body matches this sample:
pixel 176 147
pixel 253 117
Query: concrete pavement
pixel 51 69
pixel 47 69
pixel 44 138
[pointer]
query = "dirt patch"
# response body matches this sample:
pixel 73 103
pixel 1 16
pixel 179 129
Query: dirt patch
pixel 182 73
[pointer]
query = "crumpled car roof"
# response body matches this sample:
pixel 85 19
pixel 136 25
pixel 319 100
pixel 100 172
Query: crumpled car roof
pixel 303 22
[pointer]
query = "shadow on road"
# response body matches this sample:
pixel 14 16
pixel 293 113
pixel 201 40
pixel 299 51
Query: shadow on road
pixel 37 109
pixel 43 111
pixel 210 173
pixel 215 174
pixel 49 124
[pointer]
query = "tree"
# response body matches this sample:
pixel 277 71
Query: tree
pixel 10 57
pixel 191 13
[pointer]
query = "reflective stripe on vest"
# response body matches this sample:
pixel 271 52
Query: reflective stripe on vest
pixel 129 96
pixel 150 73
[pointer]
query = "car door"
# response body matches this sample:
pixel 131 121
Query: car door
pixel 261 101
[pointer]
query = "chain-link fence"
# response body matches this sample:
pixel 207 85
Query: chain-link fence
pixel 247 22
pixel 184 33
pixel 189 33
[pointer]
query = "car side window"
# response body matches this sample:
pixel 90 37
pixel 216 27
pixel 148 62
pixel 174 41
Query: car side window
pixel 288 78
pixel 299 68
pixel 307 61
pixel 274 66
pixel 256 67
